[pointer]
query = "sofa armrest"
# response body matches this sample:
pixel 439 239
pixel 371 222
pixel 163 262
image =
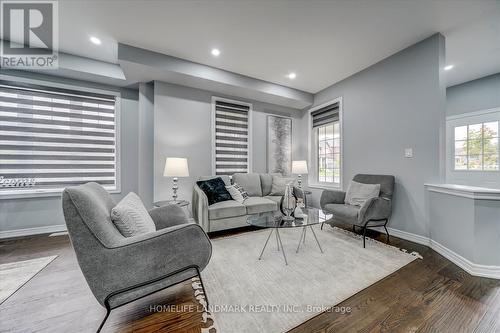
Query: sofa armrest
pixel 138 260
pixel 200 208
pixel 168 216
pixel 375 209
pixel 332 196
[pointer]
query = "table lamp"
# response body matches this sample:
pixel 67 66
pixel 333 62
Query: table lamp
pixel 299 168
pixel 176 167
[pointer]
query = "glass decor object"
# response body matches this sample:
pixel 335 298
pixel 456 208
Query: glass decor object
pixel 288 203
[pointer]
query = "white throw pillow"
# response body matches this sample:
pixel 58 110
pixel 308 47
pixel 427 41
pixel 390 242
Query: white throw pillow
pixel 279 185
pixel 131 217
pixel 358 193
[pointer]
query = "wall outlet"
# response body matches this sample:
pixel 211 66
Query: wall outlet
pixel 408 152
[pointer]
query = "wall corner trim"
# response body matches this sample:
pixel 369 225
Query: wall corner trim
pixel 471 192
pixel 468 266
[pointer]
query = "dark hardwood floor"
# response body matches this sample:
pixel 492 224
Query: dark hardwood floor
pixel 429 295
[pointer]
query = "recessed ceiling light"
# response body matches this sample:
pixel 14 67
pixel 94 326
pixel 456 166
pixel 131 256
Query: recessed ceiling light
pixel 95 40
pixel 215 52
pixel 447 68
pixel 292 76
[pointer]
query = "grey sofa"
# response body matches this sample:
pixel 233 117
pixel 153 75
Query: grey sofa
pixel 373 213
pixel 232 214
pixel 120 270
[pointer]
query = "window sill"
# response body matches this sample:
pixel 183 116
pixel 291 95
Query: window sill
pixel 325 186
pixel 38 194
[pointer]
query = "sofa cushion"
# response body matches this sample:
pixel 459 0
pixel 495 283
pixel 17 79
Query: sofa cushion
pixel 224 209
pixel 214 189
pixel 275 198
pixel 255 205
pixel 279 185
pixel 131 217
pixel 250 182
pixel 344 213
pixel 266 181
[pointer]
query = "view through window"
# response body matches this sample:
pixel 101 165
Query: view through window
pixel 476 147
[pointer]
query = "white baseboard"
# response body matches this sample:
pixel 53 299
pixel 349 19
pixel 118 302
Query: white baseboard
pixel 422 240
pixel 468 266
pixel 32 231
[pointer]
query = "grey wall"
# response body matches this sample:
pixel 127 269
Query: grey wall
pixel 480 94
pixel 182 128
pixel 146 143
pixel 395 104
pixel 474 223
pixel 38 212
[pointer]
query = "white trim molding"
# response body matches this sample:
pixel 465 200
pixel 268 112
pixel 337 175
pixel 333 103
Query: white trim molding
pixel 471 192
pixel 33 231
pixel 468 266
pixel 422 240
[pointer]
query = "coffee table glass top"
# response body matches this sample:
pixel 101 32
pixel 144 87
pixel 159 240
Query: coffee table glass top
pixel 311 216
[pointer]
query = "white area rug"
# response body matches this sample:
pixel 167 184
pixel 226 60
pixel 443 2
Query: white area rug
pixel 14 275
pixel 250 295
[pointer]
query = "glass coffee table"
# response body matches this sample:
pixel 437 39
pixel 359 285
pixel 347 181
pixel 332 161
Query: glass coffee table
pixel 274 221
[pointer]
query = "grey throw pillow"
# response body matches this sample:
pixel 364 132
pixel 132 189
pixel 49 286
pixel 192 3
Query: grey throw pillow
pixel 358 193
pixel 131 217
pixel 279 185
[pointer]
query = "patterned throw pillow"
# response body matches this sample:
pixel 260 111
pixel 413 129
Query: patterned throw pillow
pixel 244 193
pixel 235 193
pixel 131 217
pixel 215 190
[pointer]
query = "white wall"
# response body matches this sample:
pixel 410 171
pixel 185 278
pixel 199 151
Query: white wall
pixel 182 128
pixel 395 104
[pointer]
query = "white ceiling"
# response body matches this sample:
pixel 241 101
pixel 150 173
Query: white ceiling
pixel 322 41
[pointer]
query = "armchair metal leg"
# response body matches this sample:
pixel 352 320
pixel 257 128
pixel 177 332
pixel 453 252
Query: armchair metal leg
pixel 108 311
pixel 387 232
pixel 322 225
pixel 364 237
pixel 108 298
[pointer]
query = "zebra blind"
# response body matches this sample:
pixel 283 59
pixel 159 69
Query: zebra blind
pixel 53 138
pixel 325 115
pixel 231 137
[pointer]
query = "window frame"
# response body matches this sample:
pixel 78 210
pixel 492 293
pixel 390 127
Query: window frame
pixel 213 131
pixel 313 181
pixel 20 193
pixel 484 178
pixel 467 140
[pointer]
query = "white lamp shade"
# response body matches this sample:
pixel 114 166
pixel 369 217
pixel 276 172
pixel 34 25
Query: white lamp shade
pixel 299 167
pixel 176 167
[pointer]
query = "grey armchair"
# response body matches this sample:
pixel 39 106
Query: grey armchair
pixel 373 213
pixel 120 270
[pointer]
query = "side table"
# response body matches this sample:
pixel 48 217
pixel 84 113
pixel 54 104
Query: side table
pixel 180 203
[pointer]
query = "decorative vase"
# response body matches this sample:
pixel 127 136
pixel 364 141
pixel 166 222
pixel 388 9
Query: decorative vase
pixel 288 203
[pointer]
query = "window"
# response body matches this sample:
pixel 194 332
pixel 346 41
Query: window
pixel 231 138
pixel 476 146
pixel 53 138
pixel 326 145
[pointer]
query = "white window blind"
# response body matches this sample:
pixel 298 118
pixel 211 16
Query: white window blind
pixel 231 137
pixel 57 137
